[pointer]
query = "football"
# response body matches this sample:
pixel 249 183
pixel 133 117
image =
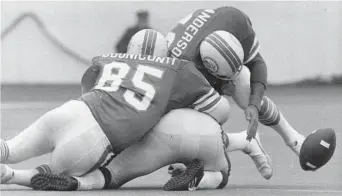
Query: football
pixel 317 149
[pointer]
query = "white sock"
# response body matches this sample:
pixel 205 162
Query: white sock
pixel 286 131
pixel 271 116
pixel 91 181
pixel 22 177
pixel 237 141
pixel 210 180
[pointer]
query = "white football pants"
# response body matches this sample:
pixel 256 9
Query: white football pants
pixel 72 135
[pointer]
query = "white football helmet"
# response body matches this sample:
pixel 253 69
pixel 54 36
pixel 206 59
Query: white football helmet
pixel 148 42
pixel 222 55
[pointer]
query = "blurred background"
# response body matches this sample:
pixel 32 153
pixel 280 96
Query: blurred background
pixel 46 47
pixel 52 42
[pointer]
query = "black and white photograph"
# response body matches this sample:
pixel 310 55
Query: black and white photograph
pixel 239 98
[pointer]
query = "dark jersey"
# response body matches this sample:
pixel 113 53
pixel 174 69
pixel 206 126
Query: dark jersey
pixel 184 39
pixel 129 93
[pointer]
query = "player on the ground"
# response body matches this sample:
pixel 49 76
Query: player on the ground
pixel 130 95
pixel 247 86
pixel 189 126
pixel 181 136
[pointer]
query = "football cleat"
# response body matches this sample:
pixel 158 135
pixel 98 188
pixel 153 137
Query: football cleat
pixel 261 160
pixel 6 174
pixel 187 180
pixel 317 149
pixel 48 181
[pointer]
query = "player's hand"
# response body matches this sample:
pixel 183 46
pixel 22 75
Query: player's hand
pixel 252 115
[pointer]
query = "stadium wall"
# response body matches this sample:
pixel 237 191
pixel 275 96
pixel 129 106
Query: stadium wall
pixel 52 42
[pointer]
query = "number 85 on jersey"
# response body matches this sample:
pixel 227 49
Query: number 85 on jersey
pixel 118 74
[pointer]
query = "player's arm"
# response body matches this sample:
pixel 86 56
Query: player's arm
pixel 201 96
pixel 255 63
pixel 90 76
pixel 258 80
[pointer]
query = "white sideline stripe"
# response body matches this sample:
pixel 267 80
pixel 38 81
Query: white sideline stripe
pixel 294 190
pixel 325 144
pixel 310 165
pixel 29 105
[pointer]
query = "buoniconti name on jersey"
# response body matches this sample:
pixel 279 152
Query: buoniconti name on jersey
pixel 156 59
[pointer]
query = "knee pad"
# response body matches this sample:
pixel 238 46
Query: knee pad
pixel 269 114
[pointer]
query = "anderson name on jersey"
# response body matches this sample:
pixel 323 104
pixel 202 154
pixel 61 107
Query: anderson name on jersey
pixel 129 93
pixel 185 38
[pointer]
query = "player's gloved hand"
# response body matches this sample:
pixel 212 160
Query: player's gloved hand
pixel 252 115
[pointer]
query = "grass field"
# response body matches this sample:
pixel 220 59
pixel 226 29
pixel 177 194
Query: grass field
pixel 306 109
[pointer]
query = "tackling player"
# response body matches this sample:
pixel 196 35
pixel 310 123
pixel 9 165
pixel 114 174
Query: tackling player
pixel 198 32
pixel 193 136
pixel 130 95
pixel 180 136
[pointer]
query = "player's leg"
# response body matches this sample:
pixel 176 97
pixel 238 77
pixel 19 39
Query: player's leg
pixel 46 134
pixel 81 149
pixel 144 157
pixel 201 139
pixel 80 146
pixel 153 152
pixel 254 149
pixel 166 144
pixel 12 176
pixel 35 140
pixel 21 177
pixel 269 114
pixel 238 142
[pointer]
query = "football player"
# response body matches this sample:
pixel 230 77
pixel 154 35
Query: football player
pixel 248 81
pixel 192 136
pixel 130 94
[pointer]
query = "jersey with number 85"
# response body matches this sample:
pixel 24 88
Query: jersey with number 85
pixel 129 96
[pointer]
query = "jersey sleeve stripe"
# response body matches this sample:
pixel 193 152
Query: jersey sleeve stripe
pixel 254 50
pixel 211 106
pixel 206 102
pixel 204 96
